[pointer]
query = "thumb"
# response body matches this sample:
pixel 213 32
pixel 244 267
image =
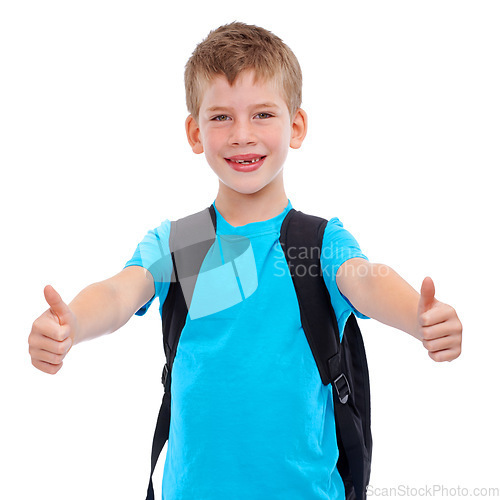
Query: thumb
pixel 426 295
pixel 57 305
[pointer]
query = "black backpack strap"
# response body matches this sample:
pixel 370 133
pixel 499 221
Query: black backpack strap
pixel 343 365
pixel 190 239
pixel 301 239
pixel 352 419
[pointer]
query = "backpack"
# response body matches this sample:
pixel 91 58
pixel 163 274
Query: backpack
pixel 341 364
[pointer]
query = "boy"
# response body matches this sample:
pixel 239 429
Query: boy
pixel 250 415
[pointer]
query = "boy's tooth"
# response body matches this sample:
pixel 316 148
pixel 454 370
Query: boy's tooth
pixel 243 162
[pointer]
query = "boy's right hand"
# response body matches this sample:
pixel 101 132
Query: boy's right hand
pixel 52 334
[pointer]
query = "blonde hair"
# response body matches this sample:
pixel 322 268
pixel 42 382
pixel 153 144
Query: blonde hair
pixel 233 48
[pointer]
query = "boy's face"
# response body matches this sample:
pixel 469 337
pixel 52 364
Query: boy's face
pixel 245 131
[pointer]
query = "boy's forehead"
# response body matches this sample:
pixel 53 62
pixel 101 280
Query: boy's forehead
pixel 247 87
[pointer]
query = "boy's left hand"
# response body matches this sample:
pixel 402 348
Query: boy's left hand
pixel 439 328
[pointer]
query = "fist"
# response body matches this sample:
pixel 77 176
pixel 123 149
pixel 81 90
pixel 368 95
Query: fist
pixel 52 334
pixel 439 328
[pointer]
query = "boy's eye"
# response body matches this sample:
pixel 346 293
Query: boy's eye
pixel 221 118
pixel 264 115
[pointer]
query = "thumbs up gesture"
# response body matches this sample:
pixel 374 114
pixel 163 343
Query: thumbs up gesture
pixel 439 328
pixel 52 334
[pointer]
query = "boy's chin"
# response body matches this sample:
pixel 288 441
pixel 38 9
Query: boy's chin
pixel 243 188
pixel 250 183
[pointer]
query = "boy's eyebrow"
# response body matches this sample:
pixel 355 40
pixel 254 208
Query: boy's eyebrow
pixel 262 105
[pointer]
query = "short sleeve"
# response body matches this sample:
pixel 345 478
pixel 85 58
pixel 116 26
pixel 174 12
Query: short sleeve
pixel 153 253
pixel 338 246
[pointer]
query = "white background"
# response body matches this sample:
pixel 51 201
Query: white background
pixel 403 146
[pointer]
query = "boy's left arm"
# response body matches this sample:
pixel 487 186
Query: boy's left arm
pixel 379 292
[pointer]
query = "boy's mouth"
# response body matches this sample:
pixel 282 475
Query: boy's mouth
pixel 245 163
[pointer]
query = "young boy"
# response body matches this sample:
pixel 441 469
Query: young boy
pixel 250 415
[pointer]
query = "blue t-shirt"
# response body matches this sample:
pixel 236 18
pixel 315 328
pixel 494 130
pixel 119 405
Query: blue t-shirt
pixel 250 417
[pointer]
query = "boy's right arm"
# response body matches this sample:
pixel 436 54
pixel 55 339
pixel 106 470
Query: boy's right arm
pixel 98 309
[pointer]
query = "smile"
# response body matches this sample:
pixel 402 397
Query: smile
pixel 248 164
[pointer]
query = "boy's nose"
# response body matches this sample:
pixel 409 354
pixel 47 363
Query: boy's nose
pixel 242 133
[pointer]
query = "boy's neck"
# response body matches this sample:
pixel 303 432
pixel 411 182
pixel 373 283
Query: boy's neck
pixel 239 209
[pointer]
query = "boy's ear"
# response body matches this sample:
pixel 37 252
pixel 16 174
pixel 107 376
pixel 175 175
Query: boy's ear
pixel 193 135
pixel 299 129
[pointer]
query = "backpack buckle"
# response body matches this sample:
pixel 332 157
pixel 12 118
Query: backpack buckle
pixel 342 387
